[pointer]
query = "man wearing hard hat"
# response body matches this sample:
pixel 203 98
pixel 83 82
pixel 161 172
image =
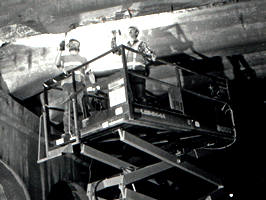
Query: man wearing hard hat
pixel 137 63
pixel 68 62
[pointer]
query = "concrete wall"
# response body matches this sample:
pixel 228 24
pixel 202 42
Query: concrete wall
pixel 19 148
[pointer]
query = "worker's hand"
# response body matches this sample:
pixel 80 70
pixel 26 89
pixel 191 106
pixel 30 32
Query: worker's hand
pixel 64 71
pixel 153 58
pixel 62 45
pixel 91 76
pixel 114 33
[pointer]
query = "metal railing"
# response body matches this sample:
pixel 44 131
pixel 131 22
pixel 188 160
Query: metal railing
pixel 53 84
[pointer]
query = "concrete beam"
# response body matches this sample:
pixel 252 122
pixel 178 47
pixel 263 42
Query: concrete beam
pixel 55 16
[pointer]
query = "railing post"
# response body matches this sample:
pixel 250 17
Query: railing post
pixel 46 119
pixel 75 106
pixel 227 89
pixel 179 87
pixel 128 91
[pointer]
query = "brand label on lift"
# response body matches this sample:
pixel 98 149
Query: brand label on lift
pixel 151 113
pixel 224 129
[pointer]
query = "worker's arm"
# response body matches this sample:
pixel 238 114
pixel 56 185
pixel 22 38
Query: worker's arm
pixel 58 60
pixel 114 43
pixel 145 49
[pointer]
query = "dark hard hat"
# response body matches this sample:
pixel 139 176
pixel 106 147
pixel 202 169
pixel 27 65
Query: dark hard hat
pixel 73 44
pixel 135 28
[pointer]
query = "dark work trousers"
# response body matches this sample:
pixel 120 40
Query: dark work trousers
pixel 137 84
pixel 68 106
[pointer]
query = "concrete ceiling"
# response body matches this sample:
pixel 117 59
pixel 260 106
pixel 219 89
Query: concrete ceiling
pixel 211 27
pixel 45 16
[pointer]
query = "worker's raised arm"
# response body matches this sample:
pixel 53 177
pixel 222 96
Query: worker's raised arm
pixel 58 61
pixel 114 42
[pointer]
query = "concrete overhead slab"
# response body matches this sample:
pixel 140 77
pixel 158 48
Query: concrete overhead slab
pixel 47 16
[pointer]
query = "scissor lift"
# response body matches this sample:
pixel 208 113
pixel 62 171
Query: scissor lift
pixel 160 128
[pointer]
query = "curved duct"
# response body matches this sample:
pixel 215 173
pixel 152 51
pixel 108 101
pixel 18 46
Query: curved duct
pixel 11 185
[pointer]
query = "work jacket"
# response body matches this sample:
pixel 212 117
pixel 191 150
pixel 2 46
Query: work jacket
pixel 137 61
pixel 70 62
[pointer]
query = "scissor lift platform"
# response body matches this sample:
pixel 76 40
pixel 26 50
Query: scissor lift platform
pixel 158 132
pixel 147 117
